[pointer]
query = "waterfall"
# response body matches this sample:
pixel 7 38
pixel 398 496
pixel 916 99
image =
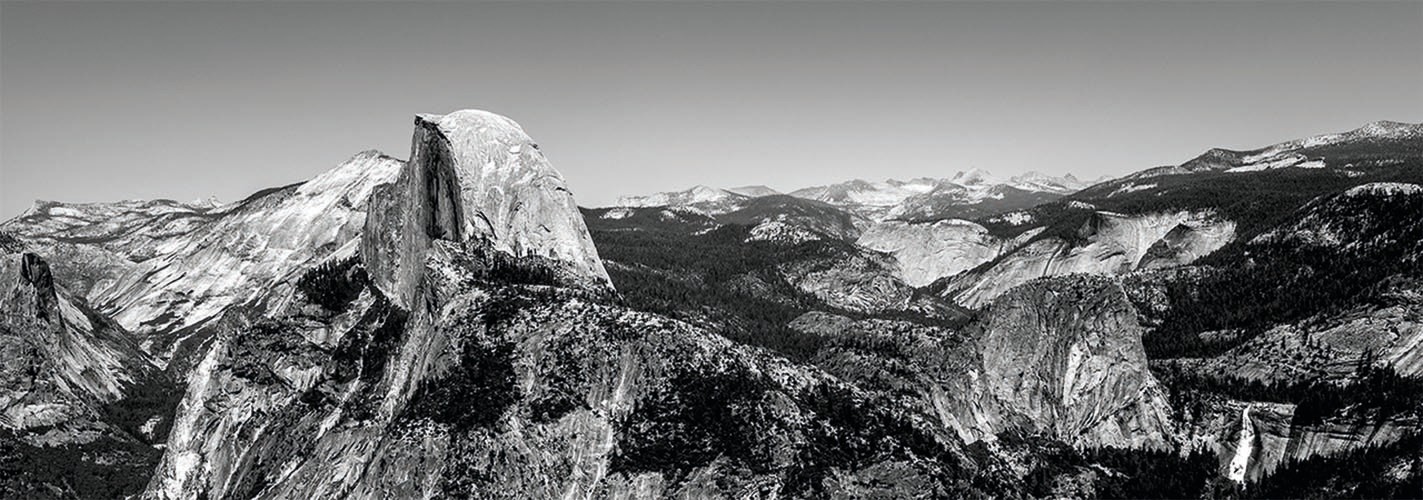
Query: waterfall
pixel 1243 448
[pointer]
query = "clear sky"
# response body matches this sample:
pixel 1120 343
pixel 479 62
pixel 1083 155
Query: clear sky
pixel 108 101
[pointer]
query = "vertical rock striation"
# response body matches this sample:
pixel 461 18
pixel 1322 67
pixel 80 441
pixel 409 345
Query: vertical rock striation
pixel 1064 357
pixel 474 176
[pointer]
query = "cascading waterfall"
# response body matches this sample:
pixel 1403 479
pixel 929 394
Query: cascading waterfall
pixel 1243 448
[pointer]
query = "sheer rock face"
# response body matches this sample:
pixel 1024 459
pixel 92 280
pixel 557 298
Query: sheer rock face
pixel 77 396
pixel 179 269
pixel 466 352
pixel 242 258
pixel 1064 357
pixel 82 360
pixel 926 252
pixel 476 176
pixel 1060 357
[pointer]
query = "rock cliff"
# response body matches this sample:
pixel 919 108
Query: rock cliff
pixel 476 176
pixel 80 405
pixel 1106 243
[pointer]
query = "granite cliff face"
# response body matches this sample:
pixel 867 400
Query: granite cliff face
pixel 927 252
pixel 1105 244
pixel 444 327
pixel 222 264
pixel 1065 358
pixel 574 399
pixel 91 244
pixel 1059 357
pixel 476 176
pixel 74 389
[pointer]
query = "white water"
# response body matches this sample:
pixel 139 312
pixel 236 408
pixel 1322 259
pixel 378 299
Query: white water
pixel 1241 461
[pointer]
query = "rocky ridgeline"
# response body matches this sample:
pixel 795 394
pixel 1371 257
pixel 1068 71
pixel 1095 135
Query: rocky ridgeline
pixel 468 350
pixel 81 407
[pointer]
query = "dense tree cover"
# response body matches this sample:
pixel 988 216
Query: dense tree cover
pixel 725 283
pixel 104 468
pixel 1142 473
pixel 334 284
pixel 695 418
pixel 1118 472
pixel 736 416
pixel 1390 471
pixel 154 396
pixel 1257 284
pixel 1376 392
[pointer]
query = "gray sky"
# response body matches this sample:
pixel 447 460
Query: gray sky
pixel 112 101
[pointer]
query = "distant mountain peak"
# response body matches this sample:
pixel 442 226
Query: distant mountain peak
pixel 1386 127
pixel 754 191
pixel 974 176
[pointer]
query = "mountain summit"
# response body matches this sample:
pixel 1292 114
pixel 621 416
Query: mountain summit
pixel 476 176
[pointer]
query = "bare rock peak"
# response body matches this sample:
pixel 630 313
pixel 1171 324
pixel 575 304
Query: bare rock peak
pixel 475 176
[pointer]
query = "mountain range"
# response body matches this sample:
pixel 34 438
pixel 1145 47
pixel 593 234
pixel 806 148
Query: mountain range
pixel 1244 324
pixel 965 194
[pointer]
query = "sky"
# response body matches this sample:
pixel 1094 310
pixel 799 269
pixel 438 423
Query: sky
pixel 114 100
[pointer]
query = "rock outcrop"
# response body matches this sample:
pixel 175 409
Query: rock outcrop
pixel 927 252
pixel 184 269
pixel 1106 244
pixel 91 244
pixel 241 258
pixel 476 176
pixel 80 405
pixel 1064 357
pixel 1060 357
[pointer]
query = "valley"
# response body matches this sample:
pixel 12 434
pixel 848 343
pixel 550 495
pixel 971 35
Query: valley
pixel 1243 324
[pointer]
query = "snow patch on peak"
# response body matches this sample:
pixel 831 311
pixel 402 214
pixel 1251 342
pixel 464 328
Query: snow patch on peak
pixel 1014 218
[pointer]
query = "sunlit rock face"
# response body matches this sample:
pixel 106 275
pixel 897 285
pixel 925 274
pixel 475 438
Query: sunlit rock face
pixel 241 258
pixel 1064 357
pixel 860 282
pixel 90 244
pixel 76 393
pixel 1107 244
pixel 1060 357
pixel 476 176
pixel 926 252
pixel 170 272
pixel 463 366
pixel 488 388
